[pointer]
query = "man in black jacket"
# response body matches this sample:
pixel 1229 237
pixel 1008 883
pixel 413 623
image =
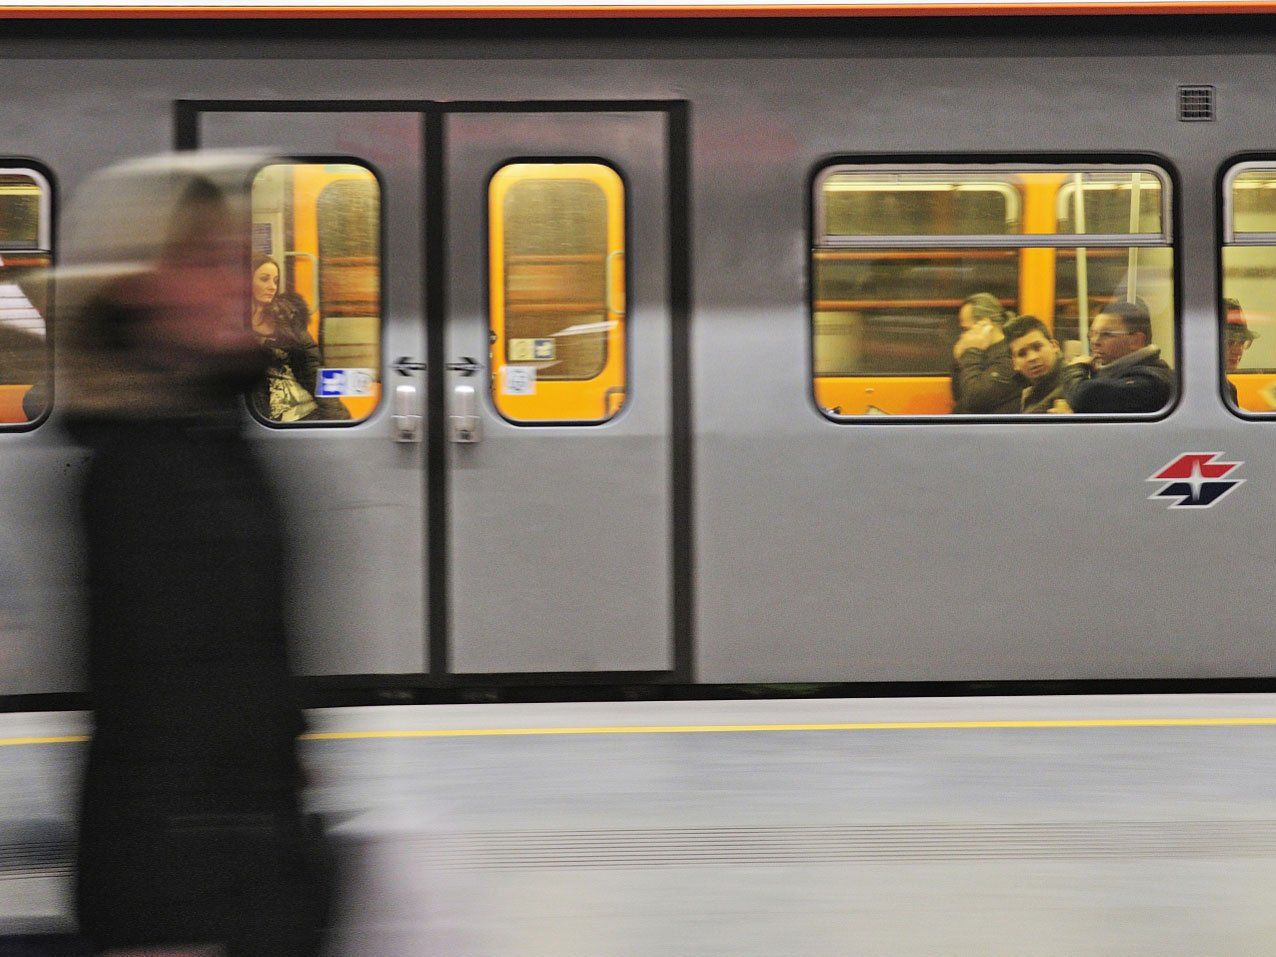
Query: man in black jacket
pixel 1036 356
pixel 1125 371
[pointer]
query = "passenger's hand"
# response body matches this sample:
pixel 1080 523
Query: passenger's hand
pixel 1082 361
pixel 979 336
pixel 1060 407
pixel 986 333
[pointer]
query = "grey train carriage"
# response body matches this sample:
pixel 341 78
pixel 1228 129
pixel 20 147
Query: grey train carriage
pixel 643 334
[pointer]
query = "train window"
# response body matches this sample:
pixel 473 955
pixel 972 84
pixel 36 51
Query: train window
pixel 1248 342
pixel 893 204
pixel 557 292
pixel 1111 204
pixel 316 291
pixel 916 270
pixel 25 256
pixel 1252 210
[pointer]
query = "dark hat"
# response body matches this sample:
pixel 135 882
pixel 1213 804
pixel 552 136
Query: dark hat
pixel 1236 326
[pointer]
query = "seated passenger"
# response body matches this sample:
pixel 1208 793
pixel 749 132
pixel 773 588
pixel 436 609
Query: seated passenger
pixel 983 380
pixel 287 393
pixel 1237 336
pixel 1037 357
pixel 1125 373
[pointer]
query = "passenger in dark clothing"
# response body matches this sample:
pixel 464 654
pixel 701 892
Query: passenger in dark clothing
pixel 286 393
pixel 190 828
pixel 983 381
pixel 190 831
pixel 1037 358
pixel 1126 372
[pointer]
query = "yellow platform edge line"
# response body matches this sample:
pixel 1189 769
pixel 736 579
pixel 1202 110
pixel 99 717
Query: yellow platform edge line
pixel 841 726
pixel 51 739
pixel 1063 723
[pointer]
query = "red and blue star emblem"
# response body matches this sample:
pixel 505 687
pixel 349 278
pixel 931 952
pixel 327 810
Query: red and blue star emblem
pixel 1195 480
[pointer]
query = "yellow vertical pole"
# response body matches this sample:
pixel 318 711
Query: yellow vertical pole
pixel 1037 266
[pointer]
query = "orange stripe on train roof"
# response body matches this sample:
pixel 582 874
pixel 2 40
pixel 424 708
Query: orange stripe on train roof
pixel 307 9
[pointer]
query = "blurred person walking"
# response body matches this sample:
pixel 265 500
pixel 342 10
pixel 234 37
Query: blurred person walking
pixel 191 836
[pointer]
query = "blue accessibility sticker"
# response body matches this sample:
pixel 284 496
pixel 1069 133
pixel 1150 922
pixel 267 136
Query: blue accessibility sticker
pixel 334 383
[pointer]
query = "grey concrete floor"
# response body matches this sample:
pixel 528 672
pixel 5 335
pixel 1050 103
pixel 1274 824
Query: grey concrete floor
pixel 907 841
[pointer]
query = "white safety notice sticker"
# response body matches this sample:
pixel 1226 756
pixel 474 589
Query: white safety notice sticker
pixel 338 382
pixel 518 380
pixel 530 350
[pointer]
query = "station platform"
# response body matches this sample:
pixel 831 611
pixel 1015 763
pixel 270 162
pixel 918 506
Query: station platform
pixel 1104 825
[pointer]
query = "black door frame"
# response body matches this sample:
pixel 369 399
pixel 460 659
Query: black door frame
pixel 187 115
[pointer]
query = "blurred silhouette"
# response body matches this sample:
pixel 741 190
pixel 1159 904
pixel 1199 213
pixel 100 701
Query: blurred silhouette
pixel 191 835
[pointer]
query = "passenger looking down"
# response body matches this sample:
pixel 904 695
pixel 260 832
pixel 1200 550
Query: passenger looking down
pixel 1238 337
pixel 983 378
pixel 1125 372
pixel 1036 356
pixel 280 320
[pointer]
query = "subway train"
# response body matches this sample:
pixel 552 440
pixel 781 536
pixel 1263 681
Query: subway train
pixel 638 341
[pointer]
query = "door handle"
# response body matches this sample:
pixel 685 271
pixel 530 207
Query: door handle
pixel 464 424
pixel 406 414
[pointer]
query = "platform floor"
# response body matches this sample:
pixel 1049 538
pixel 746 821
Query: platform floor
pixel 1095 825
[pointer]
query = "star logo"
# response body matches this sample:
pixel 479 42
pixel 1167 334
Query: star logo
pixel 1195 480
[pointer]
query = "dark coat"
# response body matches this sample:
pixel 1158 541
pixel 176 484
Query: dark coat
pixel 1138 382
pixel 304 361
pixel 190 829
pixel 303 358
pixel 1042 394
pixel 984 381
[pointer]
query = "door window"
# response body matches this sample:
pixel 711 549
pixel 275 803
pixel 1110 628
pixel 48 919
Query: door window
pixel 557 292
pixel 316 291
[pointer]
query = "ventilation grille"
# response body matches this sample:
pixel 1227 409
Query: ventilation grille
pixel 1196 104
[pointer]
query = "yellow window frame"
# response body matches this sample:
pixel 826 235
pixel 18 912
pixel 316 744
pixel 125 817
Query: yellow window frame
pixel 307 181
pixel 592 400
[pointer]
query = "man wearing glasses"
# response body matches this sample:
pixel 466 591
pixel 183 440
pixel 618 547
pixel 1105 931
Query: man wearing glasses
pixel 1238 336
pixel 1124 372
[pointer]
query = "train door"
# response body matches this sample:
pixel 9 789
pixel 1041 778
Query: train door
pixel 520 296
pixel 557 391
pixel 343 220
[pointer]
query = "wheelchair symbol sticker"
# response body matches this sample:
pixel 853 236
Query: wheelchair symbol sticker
pixel 334 383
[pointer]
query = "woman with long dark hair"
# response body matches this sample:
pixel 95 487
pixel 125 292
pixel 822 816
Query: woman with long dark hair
pixel 281 321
